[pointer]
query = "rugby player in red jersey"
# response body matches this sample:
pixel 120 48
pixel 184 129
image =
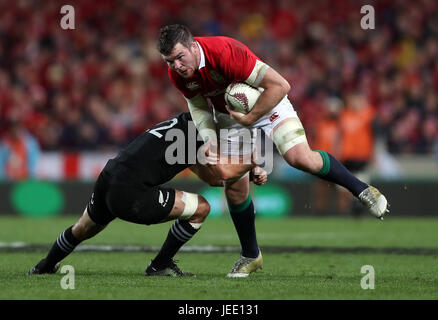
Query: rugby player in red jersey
pixel 201 68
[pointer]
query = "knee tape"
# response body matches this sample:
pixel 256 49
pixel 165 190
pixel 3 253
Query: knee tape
pixel 288 135
pixel 191 204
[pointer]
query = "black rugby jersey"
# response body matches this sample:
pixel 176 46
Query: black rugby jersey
pixel 158 154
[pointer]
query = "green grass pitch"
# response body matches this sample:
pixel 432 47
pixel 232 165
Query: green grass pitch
pixel 304 258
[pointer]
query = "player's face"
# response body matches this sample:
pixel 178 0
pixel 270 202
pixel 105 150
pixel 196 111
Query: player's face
pixel 183 60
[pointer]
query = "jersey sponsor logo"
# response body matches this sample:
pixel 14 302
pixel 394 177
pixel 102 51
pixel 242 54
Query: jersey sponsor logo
pixel 192 85
pixel 273 117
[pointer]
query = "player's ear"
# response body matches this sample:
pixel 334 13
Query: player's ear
pixel 193 46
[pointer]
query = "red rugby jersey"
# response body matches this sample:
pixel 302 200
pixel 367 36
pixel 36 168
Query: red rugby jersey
pixel 226 60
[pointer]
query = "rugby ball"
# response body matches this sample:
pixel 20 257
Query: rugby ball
pixel 241 97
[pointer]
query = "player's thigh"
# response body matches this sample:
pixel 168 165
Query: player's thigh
pixel 283 126
pixel 97 209
pixel 288 133
pixel 139 203
pixel 290 138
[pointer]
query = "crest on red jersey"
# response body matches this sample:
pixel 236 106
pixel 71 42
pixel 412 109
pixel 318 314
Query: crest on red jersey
pixel 216 76
pixel 192 85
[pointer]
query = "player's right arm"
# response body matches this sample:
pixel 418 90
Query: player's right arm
pixel 238 63
pixel 275 88
pixel 228 171
pixel 213 178
pixel 223 169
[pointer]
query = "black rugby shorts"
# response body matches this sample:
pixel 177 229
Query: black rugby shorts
pixel 128 200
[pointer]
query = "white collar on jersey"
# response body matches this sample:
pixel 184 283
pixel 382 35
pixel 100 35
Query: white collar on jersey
pixel 202 61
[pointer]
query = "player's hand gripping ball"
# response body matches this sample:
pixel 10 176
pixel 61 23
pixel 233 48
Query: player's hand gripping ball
pixel 241 97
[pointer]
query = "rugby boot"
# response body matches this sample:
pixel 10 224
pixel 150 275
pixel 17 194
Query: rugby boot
pixel 39 269
pixel 171 270
pixel 375 202
pixel 244 266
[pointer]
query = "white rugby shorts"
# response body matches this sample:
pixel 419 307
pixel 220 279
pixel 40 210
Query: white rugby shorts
pixel 241 140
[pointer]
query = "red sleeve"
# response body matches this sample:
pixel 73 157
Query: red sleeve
pixel 235 60
pixel 179 84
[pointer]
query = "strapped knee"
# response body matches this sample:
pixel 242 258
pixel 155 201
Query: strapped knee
pixel 288 135
pixel 190 205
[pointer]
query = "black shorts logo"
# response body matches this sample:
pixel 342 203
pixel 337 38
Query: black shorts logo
pixel 161 199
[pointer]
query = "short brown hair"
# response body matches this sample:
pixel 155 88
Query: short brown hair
pixel 172 34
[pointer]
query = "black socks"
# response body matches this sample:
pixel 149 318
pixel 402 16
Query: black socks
pixel 180 232
pixel 243 216
pixel 332 170
pixel 62 247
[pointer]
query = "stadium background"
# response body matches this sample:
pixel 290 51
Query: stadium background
pixel 75 97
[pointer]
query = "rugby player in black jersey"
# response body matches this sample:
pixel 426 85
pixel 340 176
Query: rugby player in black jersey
pixel 129 188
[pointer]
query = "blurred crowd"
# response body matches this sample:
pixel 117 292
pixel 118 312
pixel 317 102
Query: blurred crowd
pixel 98 86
